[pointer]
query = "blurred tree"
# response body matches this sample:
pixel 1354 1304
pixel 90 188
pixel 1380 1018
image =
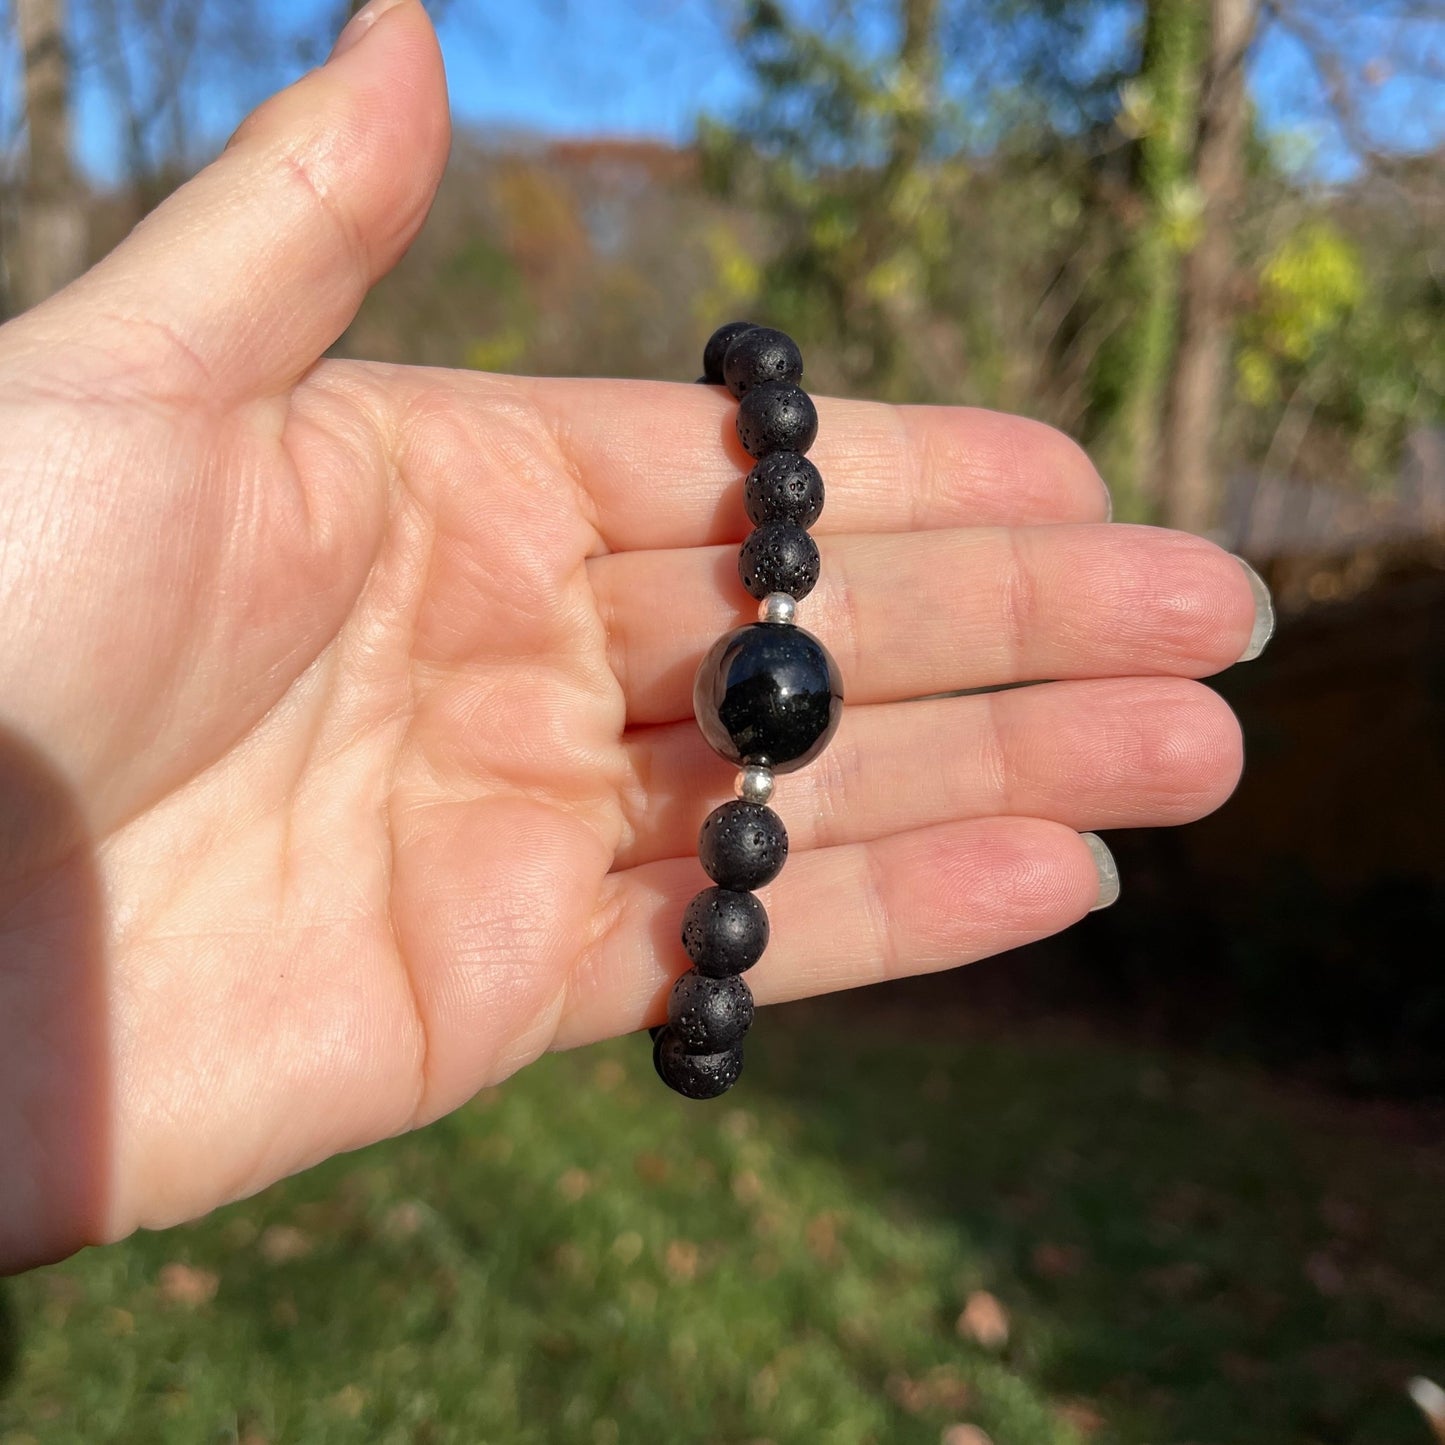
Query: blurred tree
pixel 845 152
pixel 48 229
pixel 1160 108
pixel 1044 206
pixel 159 66
pixel 157 62
pixel 1188 474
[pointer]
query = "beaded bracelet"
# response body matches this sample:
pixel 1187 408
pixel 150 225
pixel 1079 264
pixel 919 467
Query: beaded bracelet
pixel 767 697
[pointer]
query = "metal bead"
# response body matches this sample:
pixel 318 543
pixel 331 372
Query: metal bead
pixel 755 784
pixel 777 607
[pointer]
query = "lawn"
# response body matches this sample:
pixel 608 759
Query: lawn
pixel 1185 1255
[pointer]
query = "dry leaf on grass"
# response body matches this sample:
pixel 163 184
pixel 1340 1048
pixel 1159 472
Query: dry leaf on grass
pixel 682 1256
pixel 984 1321
pixel 574 1184
pixel 1057 1261
pixel 284 1242
pixel 183 1284
pixel 1081 1415
pixel 964 1435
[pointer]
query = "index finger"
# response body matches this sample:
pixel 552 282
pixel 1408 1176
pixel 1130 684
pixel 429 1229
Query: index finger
pixel 662 465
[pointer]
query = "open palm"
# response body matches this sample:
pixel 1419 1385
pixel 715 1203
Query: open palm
pixel 346 729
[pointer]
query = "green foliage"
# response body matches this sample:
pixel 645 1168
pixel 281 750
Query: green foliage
pixel 1343 340
pixel 581 1259
pixel 1308 288
pixel 847 153
pixel 1001 217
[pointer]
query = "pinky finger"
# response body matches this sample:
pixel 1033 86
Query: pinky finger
pixel 841 917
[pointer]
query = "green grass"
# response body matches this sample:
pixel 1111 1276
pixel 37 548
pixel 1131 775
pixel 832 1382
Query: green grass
pixel 1188 1259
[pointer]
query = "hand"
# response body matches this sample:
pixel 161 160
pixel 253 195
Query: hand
pixel 346 746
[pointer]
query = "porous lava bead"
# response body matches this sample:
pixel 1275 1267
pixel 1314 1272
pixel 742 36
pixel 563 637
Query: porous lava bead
pixel 716 350
pixel 758 355
pixel 742 845
pixel 724 931
pixel 776 417
pixel 779 557
pixel 784 487
pixel 695 1076
pixel 769 695
pixel 709 1014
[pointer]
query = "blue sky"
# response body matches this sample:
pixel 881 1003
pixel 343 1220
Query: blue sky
pixel 646 68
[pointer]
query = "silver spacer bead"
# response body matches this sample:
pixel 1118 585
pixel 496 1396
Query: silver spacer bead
pixel 755 784
pixel 777 607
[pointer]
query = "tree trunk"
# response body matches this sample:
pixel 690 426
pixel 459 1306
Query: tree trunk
pixel 1190 480
pixel 50 230
pixel 1137 366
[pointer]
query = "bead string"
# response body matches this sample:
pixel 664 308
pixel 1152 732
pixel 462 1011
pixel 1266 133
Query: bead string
pixel 767 697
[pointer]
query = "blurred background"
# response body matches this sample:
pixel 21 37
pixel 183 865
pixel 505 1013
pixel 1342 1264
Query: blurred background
pixel 1176 1178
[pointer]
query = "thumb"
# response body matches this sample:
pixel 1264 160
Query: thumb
pixel 237 284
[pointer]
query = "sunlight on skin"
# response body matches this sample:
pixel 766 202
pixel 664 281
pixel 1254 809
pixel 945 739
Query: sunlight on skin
pixel 345 727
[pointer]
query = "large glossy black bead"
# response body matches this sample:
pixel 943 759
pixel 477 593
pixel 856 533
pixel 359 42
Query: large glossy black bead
pixel 768 693
pixel 742 845
pixel 784 487
pixel 779 557
pixel 695 1076
pixel 759 355
pixel 709 1014
pixel 716 350
pixel 777 417
pixel 724 931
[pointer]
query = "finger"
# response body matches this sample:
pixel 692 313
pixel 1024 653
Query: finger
pixel 662 466
pixel 239 282
pixel 841 917
pixel 1125 753
pixel 908 615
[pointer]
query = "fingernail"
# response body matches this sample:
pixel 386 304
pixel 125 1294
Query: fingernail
pixel 360 23
pixel 1108 503
pixel 1108 871
pixel 1263 613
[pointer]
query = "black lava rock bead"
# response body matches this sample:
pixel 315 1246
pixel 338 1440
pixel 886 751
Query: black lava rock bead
pixel 768 693
pixel 779 557
pixel 784 487
pixel 716 349
pixel 759 355
pixel 777 417
pixel 742 845
pixel 708 1014
pixel 724 931
pixel 695 1076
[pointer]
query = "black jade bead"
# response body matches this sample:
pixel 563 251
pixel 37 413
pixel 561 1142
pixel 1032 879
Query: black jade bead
pixel 768 693
pixel 777 417
pixel 724 931
pixel 708 1014
pixel 779 557
pixel 784 487
pixel 695 1076
pixel 717 348
pixel 742 845
pixel 758 355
